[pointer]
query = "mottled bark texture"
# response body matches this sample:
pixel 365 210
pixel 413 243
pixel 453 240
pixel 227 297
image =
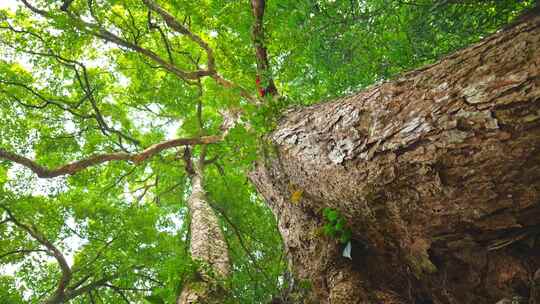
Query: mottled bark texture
pixel 438 172
pixel 207 246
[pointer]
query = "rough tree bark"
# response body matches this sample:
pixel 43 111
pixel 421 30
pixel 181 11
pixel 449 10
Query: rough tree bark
pixel 207 245
pixel 437 172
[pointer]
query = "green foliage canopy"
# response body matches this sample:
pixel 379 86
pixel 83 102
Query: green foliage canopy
pixel 69 91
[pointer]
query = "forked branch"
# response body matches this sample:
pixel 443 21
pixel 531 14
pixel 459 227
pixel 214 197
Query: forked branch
pixel 97 30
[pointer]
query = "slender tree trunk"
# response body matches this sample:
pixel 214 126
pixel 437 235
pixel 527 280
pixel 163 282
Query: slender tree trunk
pixel 437 174
pixel 208 246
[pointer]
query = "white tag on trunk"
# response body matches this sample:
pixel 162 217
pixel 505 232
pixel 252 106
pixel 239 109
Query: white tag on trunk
pixel 347 250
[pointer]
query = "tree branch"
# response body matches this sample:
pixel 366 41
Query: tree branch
pixel 84 83
pixel 240 239
pixel 59 294
pixel 21 251
pixel 261 54
pixel 66 5
pixel 119 291
pixel 98 31
pixel 154 26
pixel 89 287
pixel 74 167
pixel 171 21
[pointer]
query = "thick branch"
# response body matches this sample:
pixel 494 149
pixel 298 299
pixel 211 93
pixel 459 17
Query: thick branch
pixel 94 160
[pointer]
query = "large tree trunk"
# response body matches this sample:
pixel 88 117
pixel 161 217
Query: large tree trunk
pixel 437 174
pixel 207 247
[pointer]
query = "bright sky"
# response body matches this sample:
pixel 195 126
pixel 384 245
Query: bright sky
pixel 11 4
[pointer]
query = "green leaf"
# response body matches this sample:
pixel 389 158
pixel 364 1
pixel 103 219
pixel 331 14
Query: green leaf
pixel 345 236
pixel 332 216
pixel 154 299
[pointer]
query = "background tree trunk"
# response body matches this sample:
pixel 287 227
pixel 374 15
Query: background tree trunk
pixel 437 174
pixel 207 246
